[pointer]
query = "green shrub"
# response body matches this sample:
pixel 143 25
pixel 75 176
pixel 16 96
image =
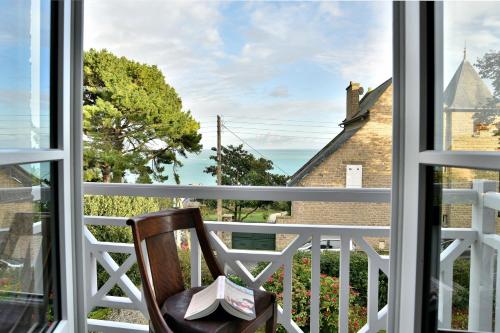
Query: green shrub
pixel 460 319
pixel 185 261
pixel 98 205
pixel 358 277
pixel 329 266
pixel 461 272
pixel 329 298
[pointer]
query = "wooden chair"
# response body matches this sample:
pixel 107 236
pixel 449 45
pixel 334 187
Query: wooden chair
pixel 166 298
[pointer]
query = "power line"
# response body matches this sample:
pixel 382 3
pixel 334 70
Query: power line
pixel 251 147
pixel 276 129
pixel 286 136
pixel 272 124
pixel 280 119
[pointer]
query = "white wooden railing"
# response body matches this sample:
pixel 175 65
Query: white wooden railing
pixel 476 237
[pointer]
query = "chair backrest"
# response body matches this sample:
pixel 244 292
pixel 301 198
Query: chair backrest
pixel 159 265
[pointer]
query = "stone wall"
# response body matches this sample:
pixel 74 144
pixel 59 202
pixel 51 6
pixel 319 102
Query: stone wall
pixel 371 147
pixel 9 208
pixel 461 133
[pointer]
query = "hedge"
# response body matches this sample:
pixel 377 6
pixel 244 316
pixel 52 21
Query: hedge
pixel 99 205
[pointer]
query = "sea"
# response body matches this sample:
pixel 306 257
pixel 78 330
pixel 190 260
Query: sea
pixel 286 161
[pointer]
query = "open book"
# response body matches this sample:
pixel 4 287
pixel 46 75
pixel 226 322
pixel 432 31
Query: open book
pixel 236 300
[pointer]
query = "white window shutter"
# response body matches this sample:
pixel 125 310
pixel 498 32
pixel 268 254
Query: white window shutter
pixel 354 176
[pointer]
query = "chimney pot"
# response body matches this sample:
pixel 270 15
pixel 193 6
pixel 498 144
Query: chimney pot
pixel 353 91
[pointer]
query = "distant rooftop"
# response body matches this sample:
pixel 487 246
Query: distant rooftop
pixel 466 89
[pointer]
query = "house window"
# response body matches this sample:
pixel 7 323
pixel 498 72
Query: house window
pixel 354 176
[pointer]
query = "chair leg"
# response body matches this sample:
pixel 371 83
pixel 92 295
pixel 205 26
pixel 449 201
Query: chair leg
pixel 271 322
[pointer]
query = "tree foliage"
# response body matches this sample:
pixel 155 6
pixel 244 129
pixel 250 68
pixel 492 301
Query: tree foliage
pixel 489 68
pixel 239 167
pixel 133 121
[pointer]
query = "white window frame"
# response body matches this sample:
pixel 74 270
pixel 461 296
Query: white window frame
pixel 64 160
pixel 409 160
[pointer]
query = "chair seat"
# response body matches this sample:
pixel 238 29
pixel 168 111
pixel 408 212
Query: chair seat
pixel 174 309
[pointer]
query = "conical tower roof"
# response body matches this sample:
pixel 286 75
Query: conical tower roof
pixel 466 90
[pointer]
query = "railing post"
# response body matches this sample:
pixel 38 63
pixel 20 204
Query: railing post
pixel 345 257
pixel 287 291
pixel 497 295
pixel 195 255
pixel 91 261
pixel 481 263
pixel 315 283
pixel 445 296
pixel 373 272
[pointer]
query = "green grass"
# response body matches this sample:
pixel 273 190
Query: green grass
pixel 260 215
pixel 100 313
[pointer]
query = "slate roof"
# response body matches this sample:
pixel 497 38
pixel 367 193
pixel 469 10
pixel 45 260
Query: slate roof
pixel 365 105
pixel 18 172
pixel 466 90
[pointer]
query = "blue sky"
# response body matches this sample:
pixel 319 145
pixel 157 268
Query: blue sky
pixel 276 71
pixel 24 115
pixel 254 62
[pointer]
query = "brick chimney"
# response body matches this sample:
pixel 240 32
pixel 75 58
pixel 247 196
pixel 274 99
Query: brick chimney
pixel 353 91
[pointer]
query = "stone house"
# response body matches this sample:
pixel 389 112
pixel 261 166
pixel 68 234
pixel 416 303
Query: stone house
pixel 15 193
pixel 361 155
pixel 470 118
pixel 16 214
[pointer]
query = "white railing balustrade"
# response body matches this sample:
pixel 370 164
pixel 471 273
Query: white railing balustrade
pixel 477 238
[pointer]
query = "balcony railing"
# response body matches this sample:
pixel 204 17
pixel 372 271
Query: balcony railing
pixel 480 238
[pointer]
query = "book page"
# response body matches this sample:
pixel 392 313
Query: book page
pixel 240 298
pixel 203 302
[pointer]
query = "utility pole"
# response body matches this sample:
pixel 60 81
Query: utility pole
pixel 219 166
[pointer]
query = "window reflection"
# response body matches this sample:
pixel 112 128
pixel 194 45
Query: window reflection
pixel 464 260
pixel 25 74
pixel 27 280
pixel 471 74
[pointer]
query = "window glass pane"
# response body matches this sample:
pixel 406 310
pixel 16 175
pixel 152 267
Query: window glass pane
pixel 470 119
pixel 25 74
pixel 27 262
pixel 468 267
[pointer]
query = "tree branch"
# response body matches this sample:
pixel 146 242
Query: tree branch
pixel 244 217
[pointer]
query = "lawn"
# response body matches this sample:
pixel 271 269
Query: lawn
pixel 260 215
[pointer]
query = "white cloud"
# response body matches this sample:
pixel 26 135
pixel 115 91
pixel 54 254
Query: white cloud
pixel 280 91
pixel 185 39
pixel 475 24
pixel 331 8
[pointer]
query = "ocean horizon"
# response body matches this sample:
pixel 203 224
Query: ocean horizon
pixel 286 161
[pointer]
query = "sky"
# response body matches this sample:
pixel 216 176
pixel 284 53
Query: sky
pixel 275 71
pixel 24 74
pixel 475 25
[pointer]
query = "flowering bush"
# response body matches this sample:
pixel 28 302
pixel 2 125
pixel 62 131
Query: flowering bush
pixel 329 298
pixel 460 319
pixel 9 280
